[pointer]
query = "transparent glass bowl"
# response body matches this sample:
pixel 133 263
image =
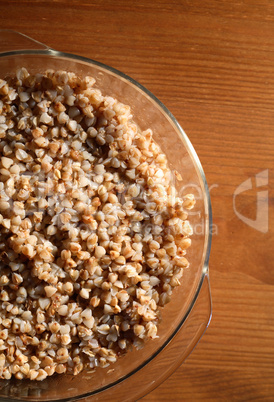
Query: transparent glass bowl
pixel 186 317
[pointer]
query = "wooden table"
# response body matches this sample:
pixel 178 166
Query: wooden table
pixel 212 64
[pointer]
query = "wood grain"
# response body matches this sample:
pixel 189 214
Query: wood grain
pixel 212 64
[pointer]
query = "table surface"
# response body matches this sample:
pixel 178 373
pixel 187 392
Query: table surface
pixel 212 64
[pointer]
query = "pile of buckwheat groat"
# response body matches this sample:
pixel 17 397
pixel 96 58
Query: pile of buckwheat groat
pixel 92 233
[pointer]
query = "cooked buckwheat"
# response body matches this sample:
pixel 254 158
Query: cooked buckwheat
pixel 92 234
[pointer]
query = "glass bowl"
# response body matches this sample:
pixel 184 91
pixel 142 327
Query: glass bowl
pixel 186 317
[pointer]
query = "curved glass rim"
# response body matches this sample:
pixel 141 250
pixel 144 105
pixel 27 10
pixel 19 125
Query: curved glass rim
pixel 192 152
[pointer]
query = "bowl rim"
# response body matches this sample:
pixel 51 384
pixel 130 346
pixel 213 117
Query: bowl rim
pixel 205 271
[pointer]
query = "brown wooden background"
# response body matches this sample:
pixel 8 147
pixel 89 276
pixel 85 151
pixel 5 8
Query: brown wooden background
pixel 212 64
